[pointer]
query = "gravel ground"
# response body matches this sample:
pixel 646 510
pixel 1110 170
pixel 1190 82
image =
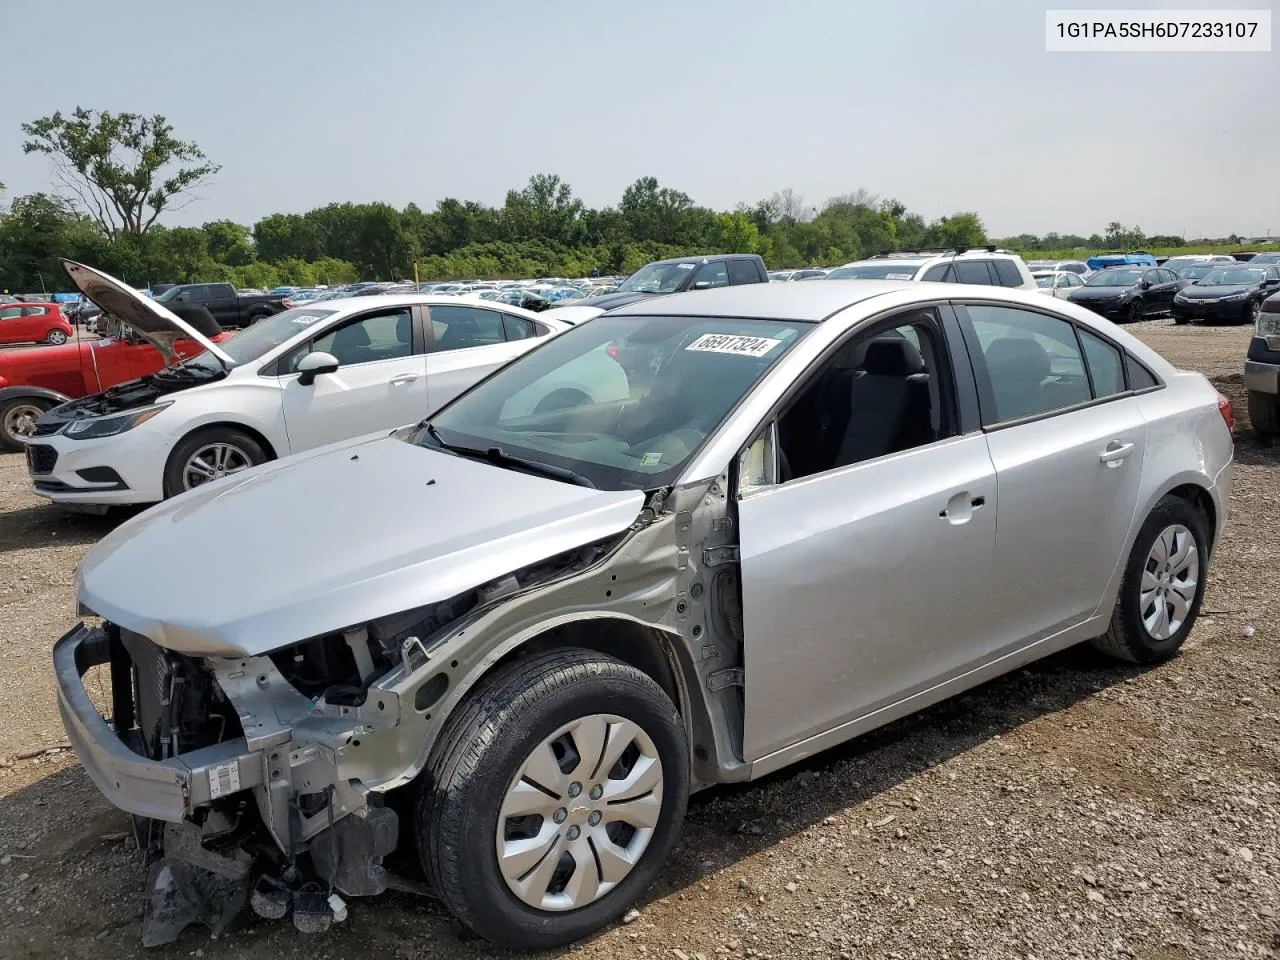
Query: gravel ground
pixel 1073 809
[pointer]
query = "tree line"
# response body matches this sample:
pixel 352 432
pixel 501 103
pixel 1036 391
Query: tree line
pixel 115 175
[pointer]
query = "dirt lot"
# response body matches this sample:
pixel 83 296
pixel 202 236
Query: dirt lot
pixel 1074 809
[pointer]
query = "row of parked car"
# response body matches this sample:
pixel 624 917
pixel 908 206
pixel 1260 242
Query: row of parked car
pixel 511 587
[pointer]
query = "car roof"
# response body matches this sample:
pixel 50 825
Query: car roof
pixel 803 302
pixel 703 258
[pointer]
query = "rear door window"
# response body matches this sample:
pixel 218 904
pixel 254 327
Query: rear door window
pixel 743 271
pixel 459 328
pixel 714 274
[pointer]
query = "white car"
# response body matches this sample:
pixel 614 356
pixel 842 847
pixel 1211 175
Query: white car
pixel 299 379
pixel 988 267
pixel 1059 266
pixel 1057 283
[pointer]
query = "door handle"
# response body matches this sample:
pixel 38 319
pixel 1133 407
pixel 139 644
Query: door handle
pixel 960 508
pixel 405 378
pixel 1115 453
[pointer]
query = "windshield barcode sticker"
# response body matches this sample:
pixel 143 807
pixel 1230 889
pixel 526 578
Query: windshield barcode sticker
pixel 306 319
pixel 897 276
pixel 732 343
pixel 224 779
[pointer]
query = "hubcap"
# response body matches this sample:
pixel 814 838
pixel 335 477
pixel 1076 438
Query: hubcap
pixel 1169 582
pixel 57 336
pixel 578 816
pixel 212 461
pixel 20 419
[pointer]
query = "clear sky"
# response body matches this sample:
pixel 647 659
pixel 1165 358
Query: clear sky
pixel 947 105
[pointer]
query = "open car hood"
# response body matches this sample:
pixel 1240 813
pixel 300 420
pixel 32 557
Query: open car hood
pixel 152 321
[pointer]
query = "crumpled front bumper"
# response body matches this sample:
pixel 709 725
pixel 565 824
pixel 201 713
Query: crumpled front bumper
pixel 166 790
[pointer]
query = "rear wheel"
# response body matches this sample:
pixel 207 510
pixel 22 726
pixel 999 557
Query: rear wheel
pixel 552 798
pixel 18 420
pixel 56 337
pixel 1163 585
pixel 1264 413
pixel 208 455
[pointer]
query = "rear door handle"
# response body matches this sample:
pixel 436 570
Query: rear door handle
pixel 1115 453
pixel 405 378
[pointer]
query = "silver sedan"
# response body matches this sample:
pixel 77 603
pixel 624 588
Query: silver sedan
pixel 789 514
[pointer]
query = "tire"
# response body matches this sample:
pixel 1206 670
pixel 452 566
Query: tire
pixel 1252 314
pixel 15 416
pixel 1180 320
pixel 1129 637
pixel 479 763
pixel 561 399
pixel 56 337
pixel 1137 312
pixel 233 449
pixel 1264 413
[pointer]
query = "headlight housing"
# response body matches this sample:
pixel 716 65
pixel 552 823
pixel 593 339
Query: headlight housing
pixel 1268 327
pixel 94 428
pixel 1232 298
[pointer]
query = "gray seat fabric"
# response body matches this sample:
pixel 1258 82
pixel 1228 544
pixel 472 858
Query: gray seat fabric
pixel 888 402
pixel 349 343
pixel 1017 368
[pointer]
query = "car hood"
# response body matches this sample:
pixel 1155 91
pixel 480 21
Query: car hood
pixel 330 539
pixel 1198 292
pixel 611 300
pixel 1100 293
pixel 152 321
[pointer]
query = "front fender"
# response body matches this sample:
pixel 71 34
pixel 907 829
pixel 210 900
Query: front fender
pixel 29 392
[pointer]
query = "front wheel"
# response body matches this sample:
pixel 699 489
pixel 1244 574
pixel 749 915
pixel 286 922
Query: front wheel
pixel 1264 413
pixel 18 420
pixel 1252 313
pixel 1135 312
pixel 209 455
pixel 1163 585
pixel 56 337
pixel 552 798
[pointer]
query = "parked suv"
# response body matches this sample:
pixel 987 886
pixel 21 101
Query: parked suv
pixel 1262 370
pixel 988 267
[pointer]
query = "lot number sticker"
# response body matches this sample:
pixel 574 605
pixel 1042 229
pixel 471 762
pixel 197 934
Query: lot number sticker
pixel 224 779
pixel 732 343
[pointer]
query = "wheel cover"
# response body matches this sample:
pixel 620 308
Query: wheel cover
pixel 57 336
pixel 580 813
pixel 1135 310
pixel 20 419
pixel 211 461
pixel 1169 580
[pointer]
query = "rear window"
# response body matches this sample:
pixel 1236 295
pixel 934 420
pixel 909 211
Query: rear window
pixel 875 271
pixel 1007 273
pixel 973 271
pixel 743 271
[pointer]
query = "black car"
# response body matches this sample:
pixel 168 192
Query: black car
pixel 1128 294
pixel 685 273
pixel 1230 294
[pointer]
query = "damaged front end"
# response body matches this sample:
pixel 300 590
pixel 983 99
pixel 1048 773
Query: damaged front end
pixel 262 781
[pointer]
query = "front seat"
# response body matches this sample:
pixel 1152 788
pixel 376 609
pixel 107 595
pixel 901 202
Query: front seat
pixel 888 402
pixel 350 343
pixel 1017 368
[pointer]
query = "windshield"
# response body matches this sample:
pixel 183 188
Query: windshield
pixel 623 401
pixel 1196 270
pixel 657 278
pixel 1044 280
pixel 1266 258
pixel 1114 278
pixel 168 295
pixel 874 271
pixel 268 333
pixel 1232 276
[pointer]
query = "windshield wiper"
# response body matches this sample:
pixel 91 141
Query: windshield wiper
pixel 497 456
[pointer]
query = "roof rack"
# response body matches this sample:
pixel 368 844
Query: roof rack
pixel 935 252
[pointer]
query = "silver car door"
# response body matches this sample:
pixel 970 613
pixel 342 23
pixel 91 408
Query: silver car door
pixel 1067 441
pixel 866 578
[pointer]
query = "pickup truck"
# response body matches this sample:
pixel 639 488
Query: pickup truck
pixel 1262 370
pixel 685 273
pixel 229 308
pixel 40 378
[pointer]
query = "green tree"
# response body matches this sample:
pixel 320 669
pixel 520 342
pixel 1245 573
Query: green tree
pixel 124 169
pixel 957 230
pixel 229 243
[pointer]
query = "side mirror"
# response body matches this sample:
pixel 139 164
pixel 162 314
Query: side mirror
pixel 314 364
pixel 701 285
pixel 1145 284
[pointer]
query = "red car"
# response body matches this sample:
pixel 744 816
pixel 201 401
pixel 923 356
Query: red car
pixel 34 323
pixel 33 381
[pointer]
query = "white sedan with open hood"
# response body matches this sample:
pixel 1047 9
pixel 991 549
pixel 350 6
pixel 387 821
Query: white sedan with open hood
pixel 300 379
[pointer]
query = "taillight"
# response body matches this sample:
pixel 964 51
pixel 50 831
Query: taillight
pixel 613 351
pixel 1228 415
